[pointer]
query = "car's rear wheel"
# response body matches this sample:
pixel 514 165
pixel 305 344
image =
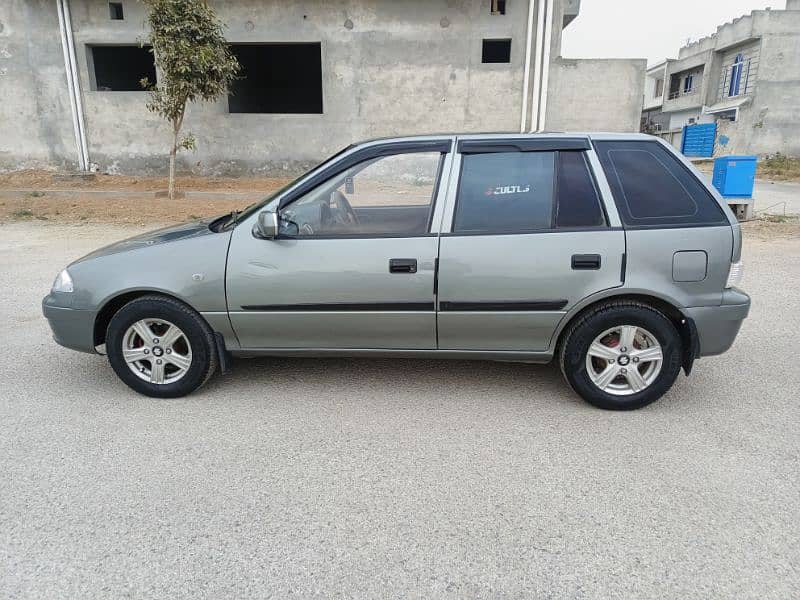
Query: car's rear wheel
pixel 621 355
pixel 160 347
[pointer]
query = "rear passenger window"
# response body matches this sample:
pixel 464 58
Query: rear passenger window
pixel 505 192
pixel 578 203
pixel 653 189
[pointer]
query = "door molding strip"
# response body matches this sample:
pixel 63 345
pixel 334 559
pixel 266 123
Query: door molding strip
pixel 502 306
pixel 344 307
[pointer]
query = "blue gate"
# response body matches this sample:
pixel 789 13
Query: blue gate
pixel 698 140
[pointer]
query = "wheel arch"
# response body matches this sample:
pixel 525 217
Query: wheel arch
pixel 667 306
pixel 112 304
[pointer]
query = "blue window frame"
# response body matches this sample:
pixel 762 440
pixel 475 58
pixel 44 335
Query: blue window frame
pixel 688 84
pixel 736 75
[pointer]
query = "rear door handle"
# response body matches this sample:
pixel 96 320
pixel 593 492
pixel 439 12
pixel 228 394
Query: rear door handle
pixel 586 262
pixel 402 265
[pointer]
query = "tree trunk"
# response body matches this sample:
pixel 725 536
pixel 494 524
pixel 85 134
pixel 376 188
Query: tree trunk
pixel 172 155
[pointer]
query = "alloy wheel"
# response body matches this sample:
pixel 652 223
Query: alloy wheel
pixel 624 360
pixel 157 351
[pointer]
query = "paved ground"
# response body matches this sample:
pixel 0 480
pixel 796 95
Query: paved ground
pixel 409 478
pixel 777 197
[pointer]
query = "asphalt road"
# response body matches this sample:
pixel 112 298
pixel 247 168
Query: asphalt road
pixel 394 478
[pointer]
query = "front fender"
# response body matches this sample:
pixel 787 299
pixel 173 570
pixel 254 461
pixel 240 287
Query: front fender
pixel 191 269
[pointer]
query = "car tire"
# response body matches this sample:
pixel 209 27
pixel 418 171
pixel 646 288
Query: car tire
pixel 591 355
pixel 186 355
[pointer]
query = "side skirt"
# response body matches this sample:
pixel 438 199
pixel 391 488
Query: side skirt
pixel 530 357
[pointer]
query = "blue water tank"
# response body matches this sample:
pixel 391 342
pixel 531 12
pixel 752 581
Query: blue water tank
pixel 734 176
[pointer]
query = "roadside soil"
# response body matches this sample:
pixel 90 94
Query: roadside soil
pixel 32 179
pixel 114 208
pixel 121 199
pixel 45 196
pixel 779 168
pixel 125 200
pixel 772 226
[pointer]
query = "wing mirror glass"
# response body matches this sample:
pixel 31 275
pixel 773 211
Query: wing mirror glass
pixel 266 227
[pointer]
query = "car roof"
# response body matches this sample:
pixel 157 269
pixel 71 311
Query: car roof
pixel 501 135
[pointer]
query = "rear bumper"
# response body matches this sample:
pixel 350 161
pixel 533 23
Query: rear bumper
pixel 73 329
pixel 718 326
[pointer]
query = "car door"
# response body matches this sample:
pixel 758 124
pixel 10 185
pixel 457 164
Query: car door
pixel 524 238
pixel 353 265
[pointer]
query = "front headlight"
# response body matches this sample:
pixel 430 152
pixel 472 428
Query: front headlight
pixel 63 282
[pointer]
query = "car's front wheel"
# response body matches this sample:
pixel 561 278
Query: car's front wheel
pixel 621 355
pixel 160 347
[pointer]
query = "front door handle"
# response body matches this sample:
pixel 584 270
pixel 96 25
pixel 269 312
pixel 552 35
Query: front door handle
pixel 402 265
pixel 586 262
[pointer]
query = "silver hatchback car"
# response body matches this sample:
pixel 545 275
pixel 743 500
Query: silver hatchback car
pixel 606 252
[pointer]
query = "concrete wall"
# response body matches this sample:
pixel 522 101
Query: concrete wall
pixel 595 94
pixel 772 122
pixel 769 121
pixel 651 99
pixel 35 122
pixel 402 68
pixel 389 68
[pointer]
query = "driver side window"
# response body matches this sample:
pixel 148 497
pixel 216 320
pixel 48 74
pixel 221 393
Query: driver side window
pixel 387 195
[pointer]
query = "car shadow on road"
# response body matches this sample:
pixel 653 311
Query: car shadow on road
pixel 414 382
pixel 396 378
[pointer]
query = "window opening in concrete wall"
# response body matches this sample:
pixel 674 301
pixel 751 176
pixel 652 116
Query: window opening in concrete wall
pixel 496 51
pixel 120 68
pixel 674 86
pixel 736 75
pixel 688 84
pixel 278 79
pixel 498 7
pixel 115 11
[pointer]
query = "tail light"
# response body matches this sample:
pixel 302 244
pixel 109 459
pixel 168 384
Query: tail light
pixel 735 275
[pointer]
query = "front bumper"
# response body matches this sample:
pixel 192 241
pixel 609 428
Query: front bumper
pixel 71 328
pixel 718 326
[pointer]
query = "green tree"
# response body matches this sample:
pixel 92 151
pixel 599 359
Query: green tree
pixel 193 61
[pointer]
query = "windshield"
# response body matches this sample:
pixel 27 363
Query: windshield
pixel 256 207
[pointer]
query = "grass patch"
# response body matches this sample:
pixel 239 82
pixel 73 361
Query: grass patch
pixel 780 167
pixel 22 213
pixel 34 194
pixel 769 218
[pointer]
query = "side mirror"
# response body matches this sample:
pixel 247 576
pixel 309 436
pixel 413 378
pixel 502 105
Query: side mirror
pixel 266 227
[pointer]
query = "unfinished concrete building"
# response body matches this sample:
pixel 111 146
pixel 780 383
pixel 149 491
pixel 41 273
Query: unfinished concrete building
pixel 745 80
pixel 318 75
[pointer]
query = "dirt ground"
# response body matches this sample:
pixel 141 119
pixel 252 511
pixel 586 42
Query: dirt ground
pixel 776 168
pixel 121 199
pixel 125 200
pixel 47 180
pixel 114 208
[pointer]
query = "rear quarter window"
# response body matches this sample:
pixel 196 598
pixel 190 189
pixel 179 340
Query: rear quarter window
pixel 652 188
